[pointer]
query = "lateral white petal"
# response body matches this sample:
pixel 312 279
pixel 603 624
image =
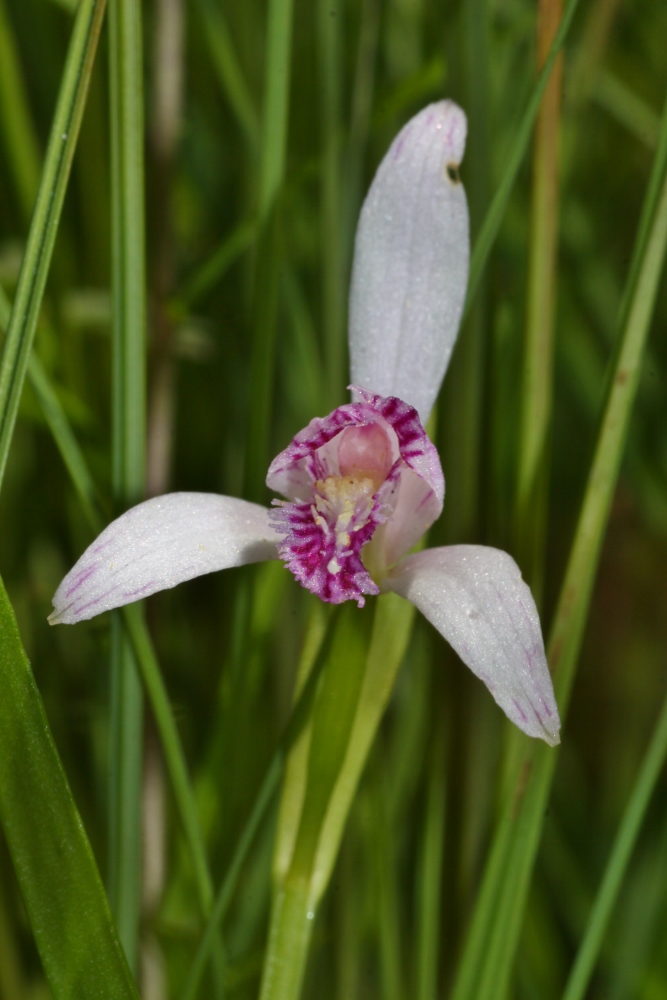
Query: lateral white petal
pixel 476 599
pixel 411 262
pixel 160 543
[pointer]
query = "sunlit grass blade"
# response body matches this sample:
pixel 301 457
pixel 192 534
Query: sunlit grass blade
pixel 488 959
pixel 128 447
pixel 44 225
pixel 53 861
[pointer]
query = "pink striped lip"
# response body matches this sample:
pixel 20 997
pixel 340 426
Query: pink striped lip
pixel 345 475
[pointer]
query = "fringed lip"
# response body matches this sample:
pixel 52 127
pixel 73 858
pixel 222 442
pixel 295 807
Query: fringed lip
pixel 366 464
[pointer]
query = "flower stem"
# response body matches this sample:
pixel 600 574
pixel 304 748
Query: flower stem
pixel 289 941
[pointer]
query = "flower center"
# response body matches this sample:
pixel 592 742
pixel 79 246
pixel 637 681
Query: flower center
pixel 342 505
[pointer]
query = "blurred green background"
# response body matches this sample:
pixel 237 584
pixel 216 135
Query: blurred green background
pixel 224 274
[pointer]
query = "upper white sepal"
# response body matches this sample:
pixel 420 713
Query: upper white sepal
pixel 476 599
pixel 411 258
pixel 160 543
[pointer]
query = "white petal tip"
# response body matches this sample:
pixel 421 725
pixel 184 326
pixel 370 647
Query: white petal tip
pixel 54 618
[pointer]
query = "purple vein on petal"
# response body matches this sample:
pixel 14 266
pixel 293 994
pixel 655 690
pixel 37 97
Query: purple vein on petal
pixel 81 578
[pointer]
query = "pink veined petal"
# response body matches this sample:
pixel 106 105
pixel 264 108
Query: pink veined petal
pixel 411 262
pixel 476 599
pixel 160 543
pixel 306 458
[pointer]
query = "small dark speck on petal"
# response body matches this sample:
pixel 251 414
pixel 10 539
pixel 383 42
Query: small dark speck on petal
pixel 453 173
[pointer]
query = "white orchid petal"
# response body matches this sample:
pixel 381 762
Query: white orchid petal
pixel 411 262
pixel 160 543
pixel 476 599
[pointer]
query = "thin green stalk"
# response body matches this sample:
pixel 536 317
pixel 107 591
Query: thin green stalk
pixel 60 429
pixel 626 838
pixel 538 351
pixel 297 894
pixel 321 780
pixel 227 68
pixel 128 448
pixel 360 117
pixel 44 225
pixel 170 744
pixel 19 135
pixel 518 149
pixel 488 959
pixel 276 104
pixel 263 799
pixel 387 902
pixel 269 254
pixel 212 270
pixel 429 885
pixel 392 627
pixel 268 263
pixel 464 390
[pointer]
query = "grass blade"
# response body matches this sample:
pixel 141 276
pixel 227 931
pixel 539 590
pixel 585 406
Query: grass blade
pixel 489 956
pixel 20 139
pixel 518 149
pixel 53 861
pixel 128 447
pixel 44 225
pixel 626 838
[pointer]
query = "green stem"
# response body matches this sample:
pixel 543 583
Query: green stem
pixel 518 148
pixel 531 500
pixel 128 448
pixel 292 922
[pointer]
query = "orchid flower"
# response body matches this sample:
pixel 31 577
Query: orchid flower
pixel 363 484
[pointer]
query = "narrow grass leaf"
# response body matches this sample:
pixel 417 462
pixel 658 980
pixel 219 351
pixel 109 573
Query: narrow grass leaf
pixel 44 225
pixel 270 253
pixel 128 447
pixel 489 956
pixel 621 852
pixel 19 135
pixel 538 351
pixel 263 799
pixel 53 861
pixel 228 68
pixel 518 150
